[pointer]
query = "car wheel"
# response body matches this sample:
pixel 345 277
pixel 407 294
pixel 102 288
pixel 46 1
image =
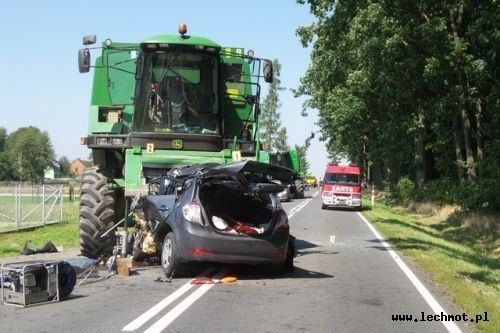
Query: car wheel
pixel 169 258
pixel 323 206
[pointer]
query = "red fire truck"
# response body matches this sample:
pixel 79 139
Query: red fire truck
pixel 341 186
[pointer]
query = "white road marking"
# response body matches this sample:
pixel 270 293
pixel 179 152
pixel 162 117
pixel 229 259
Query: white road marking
pixel 429 299
pixel 167 319
pixel 300 206
pixel 142 319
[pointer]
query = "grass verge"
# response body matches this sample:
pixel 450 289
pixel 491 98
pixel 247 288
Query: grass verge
pixel 63 234
pixel 462 260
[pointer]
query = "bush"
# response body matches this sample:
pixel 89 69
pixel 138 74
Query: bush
pixel 440 191
pixel 480 195
pixel 405 189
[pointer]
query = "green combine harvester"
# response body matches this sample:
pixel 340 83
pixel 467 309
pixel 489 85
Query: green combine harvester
pixel 167 102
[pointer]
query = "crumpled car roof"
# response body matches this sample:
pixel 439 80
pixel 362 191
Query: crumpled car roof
pixel 213 169
pixel 275 171
pixel 246 175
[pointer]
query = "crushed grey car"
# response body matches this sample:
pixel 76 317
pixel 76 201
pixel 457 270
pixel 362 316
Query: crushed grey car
pixel 216 213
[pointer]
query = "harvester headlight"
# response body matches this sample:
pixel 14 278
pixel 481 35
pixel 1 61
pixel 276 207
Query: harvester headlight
pixel 102 141
pixel 117 141
pixel 108 42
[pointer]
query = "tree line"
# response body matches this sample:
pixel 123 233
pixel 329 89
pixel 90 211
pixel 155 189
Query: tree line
pixel 409 90
pixel 273 135
pixel 26 153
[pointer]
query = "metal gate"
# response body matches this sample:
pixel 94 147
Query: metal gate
pixel 25 206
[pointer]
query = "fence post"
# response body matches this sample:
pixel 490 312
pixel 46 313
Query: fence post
pixel 43 204
pixel 61 196
pixel 17 194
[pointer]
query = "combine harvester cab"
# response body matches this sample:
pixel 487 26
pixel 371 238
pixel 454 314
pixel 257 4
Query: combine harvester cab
pixel 341 186
pixel 167 102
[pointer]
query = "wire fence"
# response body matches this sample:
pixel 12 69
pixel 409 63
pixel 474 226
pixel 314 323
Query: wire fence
pixel 25 205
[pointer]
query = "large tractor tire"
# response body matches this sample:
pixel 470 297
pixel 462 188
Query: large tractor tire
pixel 97 213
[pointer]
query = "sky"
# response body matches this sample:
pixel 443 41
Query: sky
pixel 39 80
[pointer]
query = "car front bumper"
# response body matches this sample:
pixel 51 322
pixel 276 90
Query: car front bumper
pixel 341 201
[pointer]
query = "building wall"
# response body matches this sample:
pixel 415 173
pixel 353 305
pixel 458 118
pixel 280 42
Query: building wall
pixel 77 167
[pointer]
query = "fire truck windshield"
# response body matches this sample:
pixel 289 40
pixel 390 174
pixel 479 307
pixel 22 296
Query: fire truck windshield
pixel 341 178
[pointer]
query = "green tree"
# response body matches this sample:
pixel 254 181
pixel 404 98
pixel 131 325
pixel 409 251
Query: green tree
pixel 29 151
pixel 5 166
pixel 407 88
pixel 273 135
pixel 304 163
pixel 64 164
pixel 3 138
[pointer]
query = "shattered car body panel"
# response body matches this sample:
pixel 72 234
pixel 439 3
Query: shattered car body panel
pixel 222 213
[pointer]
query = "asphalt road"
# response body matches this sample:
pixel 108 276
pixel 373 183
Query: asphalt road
pixel 345 280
